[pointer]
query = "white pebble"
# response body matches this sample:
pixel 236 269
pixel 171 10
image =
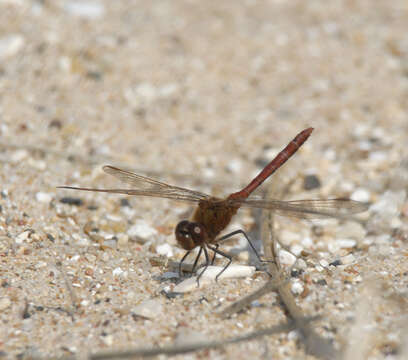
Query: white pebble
pixel 348 259
pixel 90 10
pixel 346 243
pixel 233 271
pixel 141 230
pixel 23 237
pixel 296 249
pixel 123 240
pixel 360 194
pixel 293 335
pixel 388 205
pixel 164 249
pixel 324 263
pixel 43 197
pixel 18 156
pixel 10 45
pixel 117 271
pixel 108 340
pixel 286 258
pixel 297 288
pixel 235 166
pixel 307 242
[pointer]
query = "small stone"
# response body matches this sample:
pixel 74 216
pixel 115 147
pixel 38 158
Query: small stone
pixel 324 263
pixel 233 271
pixel 165 249
pixel 335 263
pixel 123 241
pixel 85 9
pixel 18 156
pixel 117 271
pixel 362 195
pixel 141 231
pixel 108 340
pixel 71 201
pixel 346 243
pixel 43 197
pixel 234 166
pixel 311 182
pixel 297 288
pixel 23 236
pixel 348 259
pixel 10 45
pixel 286 258
pixel 5 302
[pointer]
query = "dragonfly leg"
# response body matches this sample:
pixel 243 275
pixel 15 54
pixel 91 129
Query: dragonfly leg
pixel 215 254
pixel 207 262
pixel 216 251
pixel 181 262
pixel 196 260
pixel 222 238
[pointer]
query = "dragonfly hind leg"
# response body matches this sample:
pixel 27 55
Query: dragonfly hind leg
pixel 227 236
pixel 216 251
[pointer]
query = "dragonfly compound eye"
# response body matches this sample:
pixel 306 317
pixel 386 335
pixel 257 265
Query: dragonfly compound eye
pixel 197 232
pixel 183 235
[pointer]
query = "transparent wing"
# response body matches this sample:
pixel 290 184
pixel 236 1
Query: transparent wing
pixel 307 209
pixel 144 186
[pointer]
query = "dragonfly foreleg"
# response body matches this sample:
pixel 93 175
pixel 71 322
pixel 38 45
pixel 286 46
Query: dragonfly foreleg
pixel 207 262
pixel 181 263
pixel 216 251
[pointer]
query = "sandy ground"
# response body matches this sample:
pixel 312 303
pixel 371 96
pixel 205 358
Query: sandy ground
pixel 200 94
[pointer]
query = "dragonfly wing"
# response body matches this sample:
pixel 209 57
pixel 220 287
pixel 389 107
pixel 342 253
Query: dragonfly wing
pixel 308 209
pixel 145 186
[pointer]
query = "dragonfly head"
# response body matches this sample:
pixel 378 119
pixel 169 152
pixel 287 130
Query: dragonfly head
pixel 190 234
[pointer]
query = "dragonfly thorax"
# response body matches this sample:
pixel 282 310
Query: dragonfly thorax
pixel 190 234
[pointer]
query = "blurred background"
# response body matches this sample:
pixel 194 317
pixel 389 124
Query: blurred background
pixel 197 93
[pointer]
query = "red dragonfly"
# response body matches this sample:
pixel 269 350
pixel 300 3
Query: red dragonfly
pixel 212 215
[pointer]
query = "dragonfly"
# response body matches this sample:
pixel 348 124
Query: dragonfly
pixel 212 214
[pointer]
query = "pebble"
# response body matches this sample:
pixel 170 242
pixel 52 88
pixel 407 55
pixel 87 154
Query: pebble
pixel 117 271
pixel 389 203
pixel 296 249
pixel 141 230
pixel 10 45
pixel 311 182
pixel 89 10
pixel 149 308
pixel 360 194
pixel 123 241
pixel 348 259
pixel 43 197
pixel 233 271
pixel 165 249
pixel 286 258
pixel 346 243
pixel 5 302
pixel 23 236
pixel 324 263
pixel 234 166
pixel 18 155
pixel 297 288
pixel 307 242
